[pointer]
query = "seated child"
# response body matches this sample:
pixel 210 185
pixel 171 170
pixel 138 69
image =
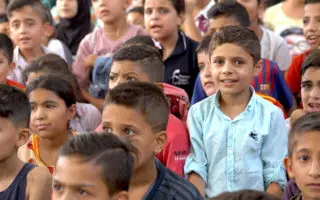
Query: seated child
pixel 103 41
pixel 74 22
pixel 303 156
pixel 135 16
pixel 311 29
pixel 88 117
pixel 139 112
pixel 53 44
pixel 52 100
pixel 26 22
pixel 232 144
pixel 162 20
pixel 6 64
pixel 95 166
pixel 270 80
pixel 19 180
pixel 142 63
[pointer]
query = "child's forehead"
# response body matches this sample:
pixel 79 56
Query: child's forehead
pixel 307 141
pixel 312 72
pixel 231 50
pixel 24 13
pixel 312 8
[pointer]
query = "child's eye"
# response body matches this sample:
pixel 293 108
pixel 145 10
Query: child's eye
pixel 131 79
pixel 57 187
pixel 218 61
pixel 49 106
pixel 163 10
pixel 201 67
pixel 128 131
pixel 239 62
pixel 148 11
pixel 32 107
pixel 112 77
pixel 107 129
pixel 83 192
pixel 306 86
pixel 305 21
pixel 303 158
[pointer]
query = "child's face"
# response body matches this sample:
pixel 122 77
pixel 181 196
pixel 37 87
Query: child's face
pixel 135 18
pixel 126 71
pixel 26 28
pixel 304 164
pixel 217 23
pixel 109 11
pixel 311 24
pixel 205 74
pixel 49 114
pixel 5 68
pixel 232 68
pixel 130 124
pixel 161 19
pixel 75 179
pixel 11 138
pixel 310 90
pixel 67 8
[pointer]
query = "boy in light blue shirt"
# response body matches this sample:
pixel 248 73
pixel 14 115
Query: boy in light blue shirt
pixel 238 139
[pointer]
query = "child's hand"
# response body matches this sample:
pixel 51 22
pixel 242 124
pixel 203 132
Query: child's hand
pixel 90 60
pixel 296 115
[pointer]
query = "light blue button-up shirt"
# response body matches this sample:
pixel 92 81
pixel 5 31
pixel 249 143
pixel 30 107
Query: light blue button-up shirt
pixel 244 153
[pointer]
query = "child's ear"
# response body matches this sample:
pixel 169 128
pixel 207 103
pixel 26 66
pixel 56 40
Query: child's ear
pixel 48 30
pixel 23 136
pixel 72 111
pixel 288 165
pixel 160 141
pixel 257 68
pixel 124 195
pixel 11 68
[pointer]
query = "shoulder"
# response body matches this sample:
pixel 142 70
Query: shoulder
pixel 273 10
pixel 92 36
pixel 275 38
pixel 190 42
pixel 176 128
pixel 266 108
pixel 137 30
pixel 39 175
pixel 204 105
pixel 178 188
pixel 86 108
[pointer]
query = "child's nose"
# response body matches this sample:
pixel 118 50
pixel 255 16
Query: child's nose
pixel 315 168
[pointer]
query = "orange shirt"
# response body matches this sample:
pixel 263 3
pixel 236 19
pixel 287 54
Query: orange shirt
pixel 30 153
pixel 274 102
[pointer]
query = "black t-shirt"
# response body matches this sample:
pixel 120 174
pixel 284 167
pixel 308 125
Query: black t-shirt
pixel 170 186
pixel 181 67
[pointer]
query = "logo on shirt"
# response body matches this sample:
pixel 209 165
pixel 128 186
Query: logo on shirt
pixel 254 136
pixel 179 79
pixel 265 89
pixel 180 155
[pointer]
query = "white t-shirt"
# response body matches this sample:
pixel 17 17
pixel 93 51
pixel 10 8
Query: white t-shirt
pixel 60 49
pixel 274 47
pixel 21 63
pixel 204 13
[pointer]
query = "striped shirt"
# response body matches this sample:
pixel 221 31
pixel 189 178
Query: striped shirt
pixel 170 186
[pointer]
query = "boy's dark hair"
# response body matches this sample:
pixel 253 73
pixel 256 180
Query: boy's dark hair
pixel 245 195
pixel 54 83
pixel 312 60
pixel 306 2
pixel 105 150
pixel 240 36
pixel 49 63
pixel 15 106
pixel 179 5
pixel 146 98
pixel 307 123
pixel 230 9
pixel 6 47
pixel 204 44
pixel 145 56
pixel 36 6
pixel 136 9
pixel 146 40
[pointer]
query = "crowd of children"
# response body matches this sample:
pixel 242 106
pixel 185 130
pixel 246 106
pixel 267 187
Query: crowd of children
pixel 159 99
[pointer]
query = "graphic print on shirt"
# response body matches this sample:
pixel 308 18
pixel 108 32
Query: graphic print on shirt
pixel 179 79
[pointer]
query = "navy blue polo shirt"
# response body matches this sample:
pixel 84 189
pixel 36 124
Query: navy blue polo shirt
pixel 170 186
pixel 181 67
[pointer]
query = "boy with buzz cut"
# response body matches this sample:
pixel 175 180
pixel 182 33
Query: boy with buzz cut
pixel 18 180
pixel 302 162
pixel 27 25
pixel 6 61
pixel 95 166
pixel 139 112
pixel 238 139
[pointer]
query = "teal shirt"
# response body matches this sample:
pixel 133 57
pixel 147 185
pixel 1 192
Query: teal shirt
pixel 244 153
pixel 49 3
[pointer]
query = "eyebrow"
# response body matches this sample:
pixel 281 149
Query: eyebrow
pixel 46 102
pixel 73 185
pixel 303 150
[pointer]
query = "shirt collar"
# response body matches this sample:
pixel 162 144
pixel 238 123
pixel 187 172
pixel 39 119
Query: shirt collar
pixel 181 45
pixel 204 11
pixel 19 59
pixel 250 105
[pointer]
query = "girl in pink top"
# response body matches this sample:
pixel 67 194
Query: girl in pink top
pixel 104 41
